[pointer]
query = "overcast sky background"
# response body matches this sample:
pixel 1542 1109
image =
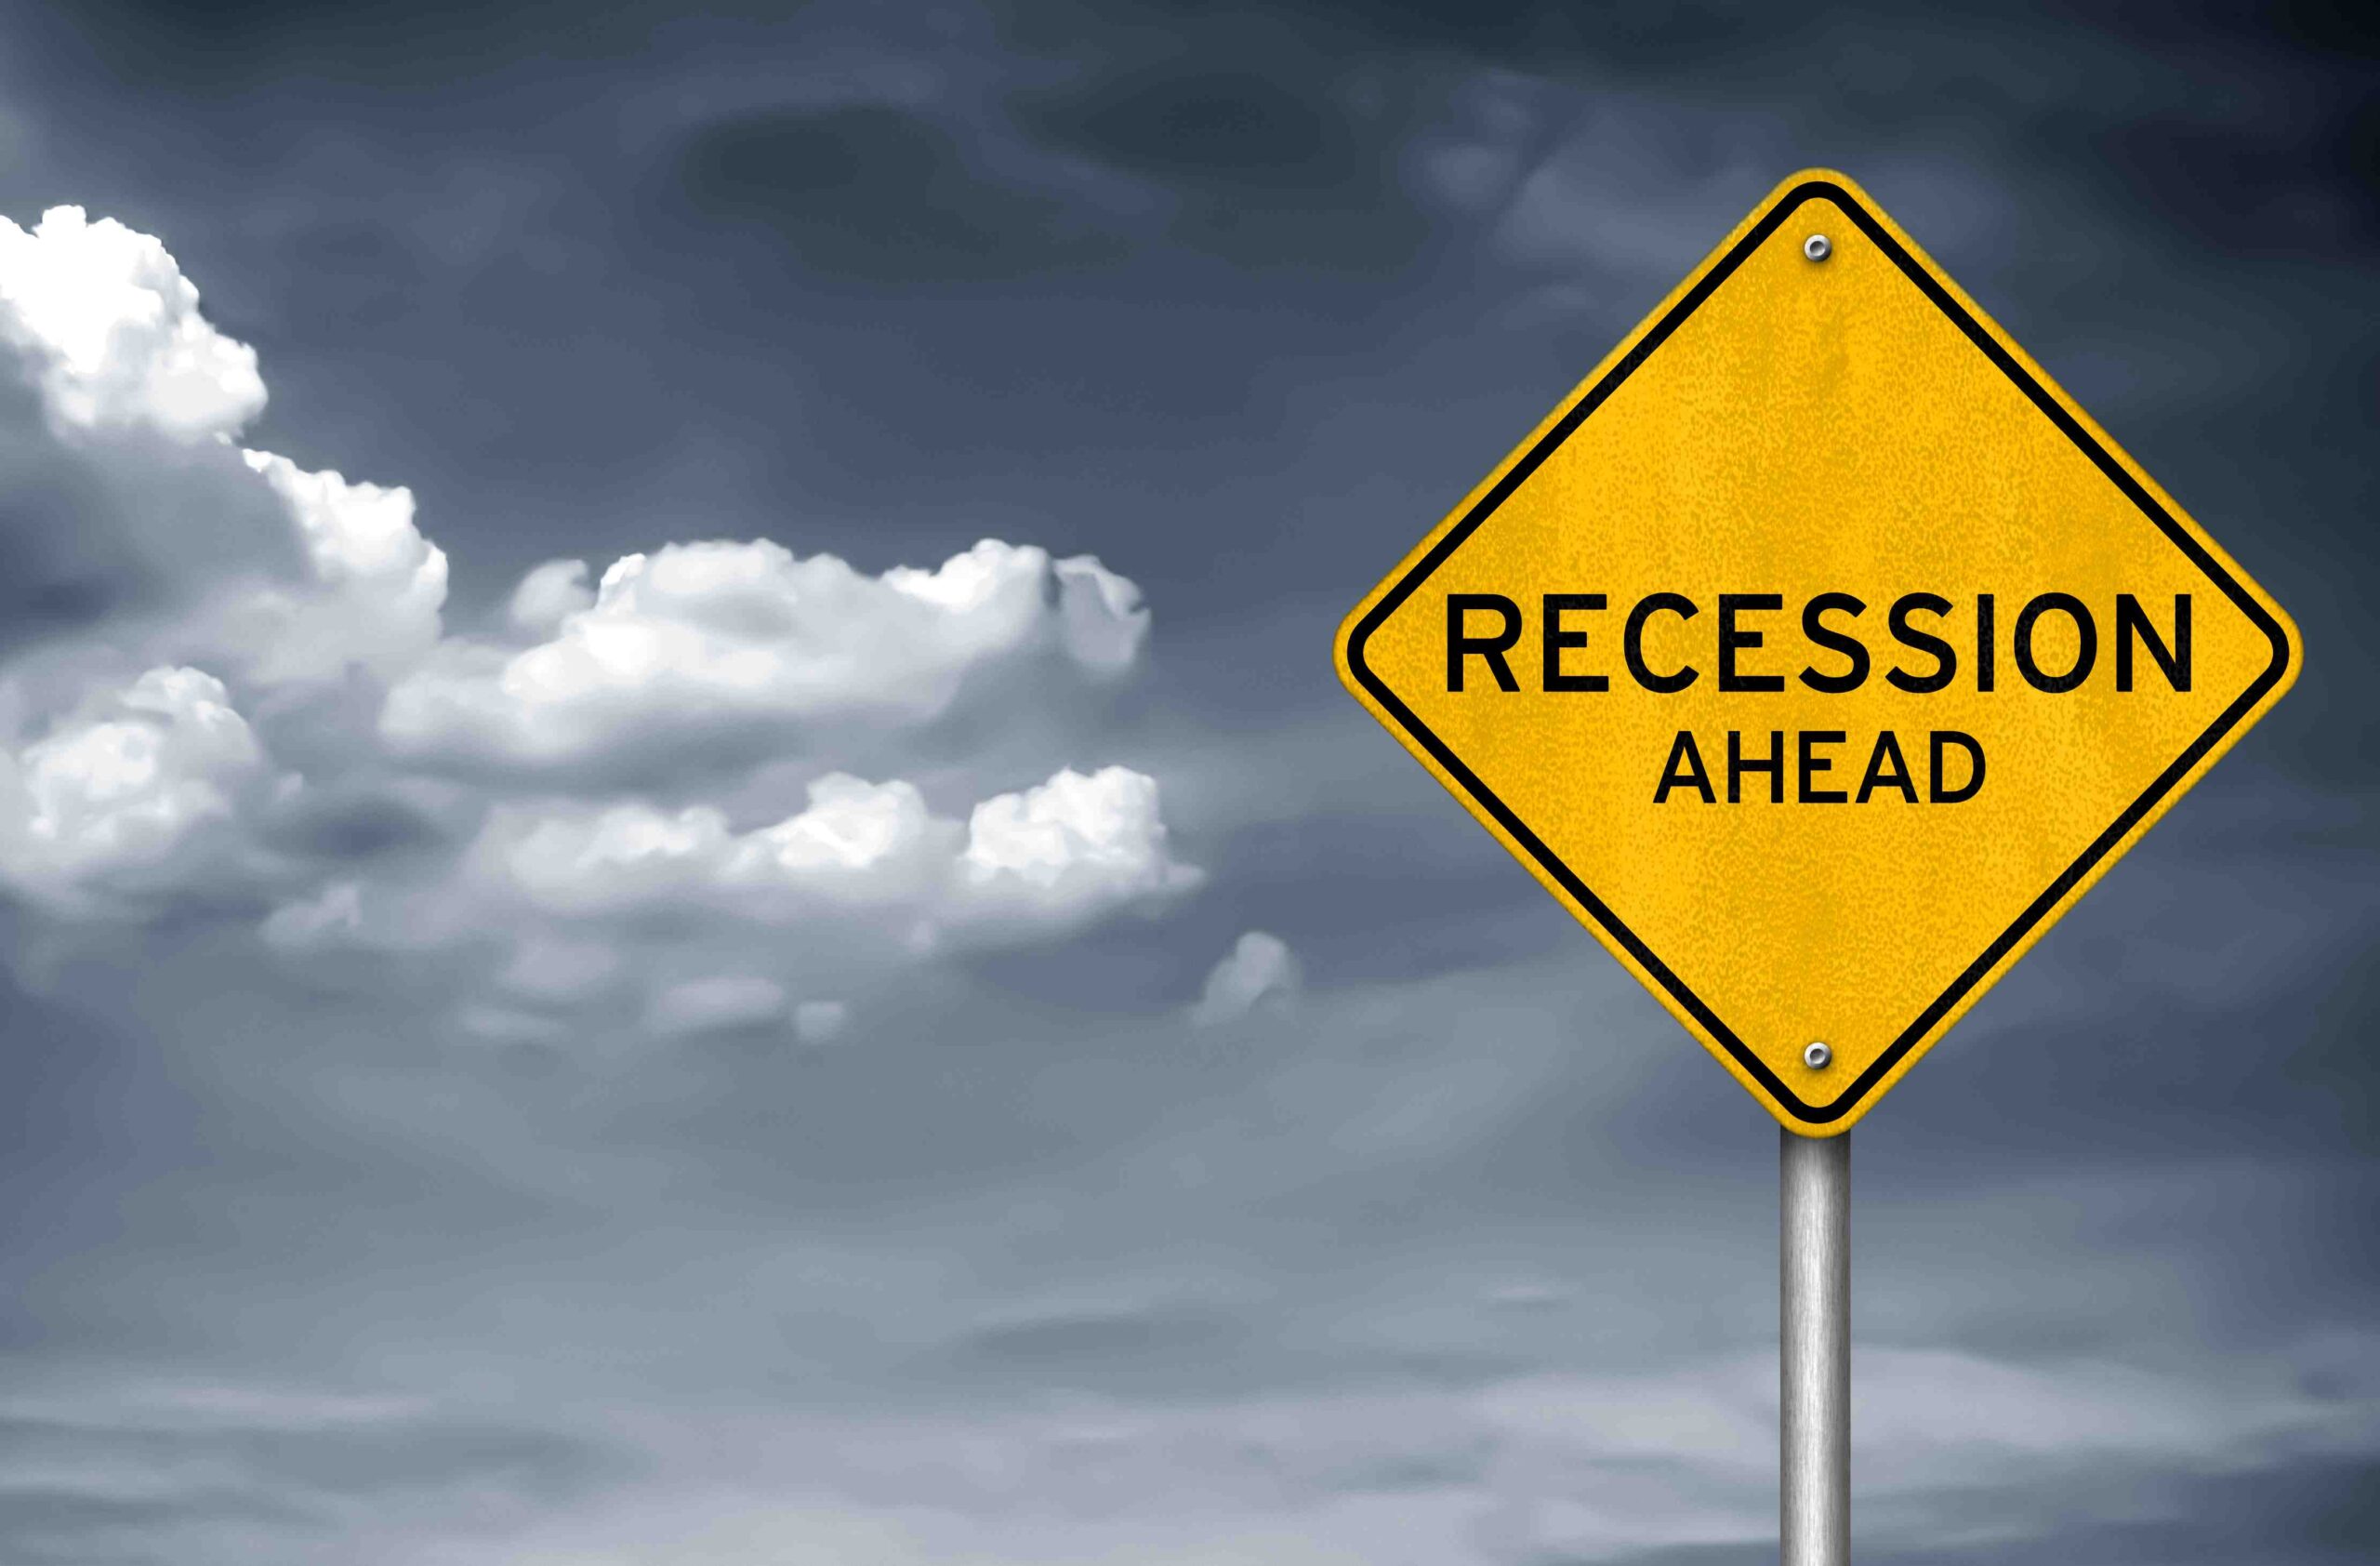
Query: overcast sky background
pixel 785 1063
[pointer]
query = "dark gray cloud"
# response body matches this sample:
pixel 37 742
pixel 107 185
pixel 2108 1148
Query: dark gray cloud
pixel 1297 167
pixel 876 195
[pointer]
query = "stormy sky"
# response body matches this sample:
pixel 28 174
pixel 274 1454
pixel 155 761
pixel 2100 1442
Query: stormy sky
pixel 683 879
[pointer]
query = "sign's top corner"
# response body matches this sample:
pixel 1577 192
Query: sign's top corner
pixel 1817 175
pixel 1822 178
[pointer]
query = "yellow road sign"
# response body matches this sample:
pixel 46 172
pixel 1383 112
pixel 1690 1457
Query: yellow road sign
pixel 1818 652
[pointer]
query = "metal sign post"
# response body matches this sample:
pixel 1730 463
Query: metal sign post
pixel 1815 1428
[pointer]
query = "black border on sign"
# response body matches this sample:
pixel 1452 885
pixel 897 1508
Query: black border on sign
pixel 1819 1114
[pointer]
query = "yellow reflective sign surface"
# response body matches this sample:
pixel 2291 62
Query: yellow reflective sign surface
pixel 1818 652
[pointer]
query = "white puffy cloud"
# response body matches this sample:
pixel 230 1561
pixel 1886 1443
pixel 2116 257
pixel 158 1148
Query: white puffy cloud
pixel 677 921
pixel 295 619
pixel 549 594
pixel 119 403
pixel 1074 841
pixel 857 842
pixel 750 639
pixel 1259 970
pixel 124 495
pixel 111 332
pixel 1050 856
pixel 146 790
pixel 378 585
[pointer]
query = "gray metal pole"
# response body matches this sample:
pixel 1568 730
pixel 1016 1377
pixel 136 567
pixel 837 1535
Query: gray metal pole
pixel 1815 1452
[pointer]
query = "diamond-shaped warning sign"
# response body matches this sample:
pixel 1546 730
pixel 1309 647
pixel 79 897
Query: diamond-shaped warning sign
pixel 1818 652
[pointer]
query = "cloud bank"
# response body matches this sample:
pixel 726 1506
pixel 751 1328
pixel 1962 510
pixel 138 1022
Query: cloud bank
pixel 698 641
pixel 288 733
